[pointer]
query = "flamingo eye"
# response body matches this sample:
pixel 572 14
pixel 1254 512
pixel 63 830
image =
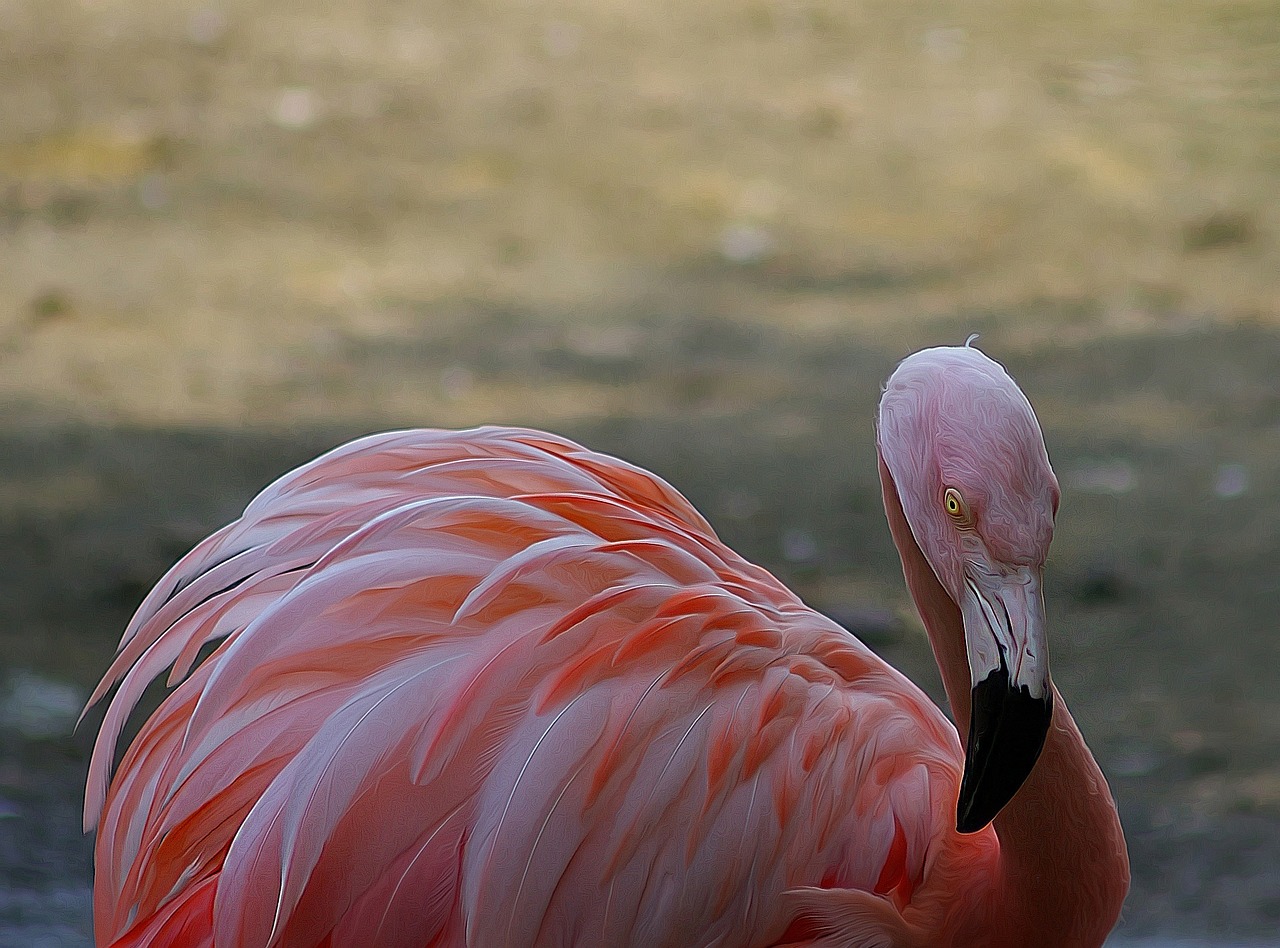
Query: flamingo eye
pixel 957 509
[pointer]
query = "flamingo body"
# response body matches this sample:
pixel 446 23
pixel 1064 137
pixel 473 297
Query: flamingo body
pixel 489 688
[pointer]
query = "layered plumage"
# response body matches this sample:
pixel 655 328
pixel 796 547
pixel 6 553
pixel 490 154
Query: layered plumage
pixel 490 688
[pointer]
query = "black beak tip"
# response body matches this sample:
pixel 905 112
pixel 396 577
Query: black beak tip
pixel 1007 729
pixel 969 821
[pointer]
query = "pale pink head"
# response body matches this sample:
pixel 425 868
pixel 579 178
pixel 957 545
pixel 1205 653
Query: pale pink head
pixel 967 458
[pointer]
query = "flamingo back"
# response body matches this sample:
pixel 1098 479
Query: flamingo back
pixel 490 688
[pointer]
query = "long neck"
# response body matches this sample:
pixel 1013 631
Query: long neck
pixel 1064 865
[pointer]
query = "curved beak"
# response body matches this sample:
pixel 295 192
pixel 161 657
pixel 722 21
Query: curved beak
pixel 1012 705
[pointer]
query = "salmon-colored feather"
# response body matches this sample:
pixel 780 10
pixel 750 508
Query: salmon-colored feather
pixel 499 626
pixel 490 688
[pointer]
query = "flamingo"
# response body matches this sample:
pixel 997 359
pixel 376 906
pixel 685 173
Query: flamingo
pixel 489 688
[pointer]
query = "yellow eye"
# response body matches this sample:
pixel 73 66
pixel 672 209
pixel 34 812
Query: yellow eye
pixel 956 506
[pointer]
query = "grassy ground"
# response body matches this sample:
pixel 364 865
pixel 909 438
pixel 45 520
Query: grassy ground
pixel 698 235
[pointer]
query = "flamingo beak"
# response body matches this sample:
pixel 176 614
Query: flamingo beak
pixel 1012 702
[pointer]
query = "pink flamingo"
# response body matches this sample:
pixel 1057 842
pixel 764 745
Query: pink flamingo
pixel 489 688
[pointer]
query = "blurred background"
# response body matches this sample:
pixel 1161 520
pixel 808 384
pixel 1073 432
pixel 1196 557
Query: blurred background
pixel 698 235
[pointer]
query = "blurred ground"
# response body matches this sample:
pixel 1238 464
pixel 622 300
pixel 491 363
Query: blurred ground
pixel 699 236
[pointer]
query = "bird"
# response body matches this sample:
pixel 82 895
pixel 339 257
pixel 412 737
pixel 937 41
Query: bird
pixel 490 688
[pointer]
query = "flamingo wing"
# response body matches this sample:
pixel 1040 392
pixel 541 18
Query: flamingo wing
pixel 491 688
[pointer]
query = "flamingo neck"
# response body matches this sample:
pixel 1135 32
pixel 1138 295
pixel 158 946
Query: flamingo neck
pixel 1064 868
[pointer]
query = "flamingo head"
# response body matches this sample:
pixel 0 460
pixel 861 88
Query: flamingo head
pixel 964 449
